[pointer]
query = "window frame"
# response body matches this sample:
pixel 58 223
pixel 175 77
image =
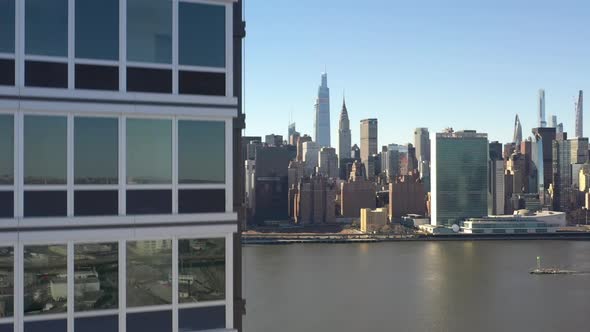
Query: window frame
pixel 15 168
pixel 122 63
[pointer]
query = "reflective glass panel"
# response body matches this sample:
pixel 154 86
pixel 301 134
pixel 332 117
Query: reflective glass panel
pixel 149 151
pixel 45 149
pixel 6 149
pixel 201 34
pixel 201 151
pixel 46 27
pixel 149 271
pixel 149 31
pixel 201 270
pixel 6 26
pixel 97 29
pixel 96 276
pixel 45 279
pixel 96 150
pixel 6 282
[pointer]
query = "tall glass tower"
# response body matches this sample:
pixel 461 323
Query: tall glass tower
pixel 542 122
pixel 322 113
pixel 459 176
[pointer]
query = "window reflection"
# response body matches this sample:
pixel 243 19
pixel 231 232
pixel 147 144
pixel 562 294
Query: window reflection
pixel 97 29
pixel 7 26
pixel 201 34
pixel 149 31
pixel 45 279
pixel 149 151
pixel 46 30
pixel 45 149
pixel 6 282
pixel 96 276
pixel 96 152
pixel 201 270
pixel 195 140
pixel 149 271
pixel 6 149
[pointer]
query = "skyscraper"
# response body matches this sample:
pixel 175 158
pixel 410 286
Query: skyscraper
pixel 344 133
pixel 580 115
pixel 517 133
pixel 122 158
pixel 459 177
pixel 547 137
pixel 542 122
pixel 368 144
pixel 322 113
pixel 422 144
pixel 328 162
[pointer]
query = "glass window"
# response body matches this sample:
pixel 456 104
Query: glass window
pixel 201 200
pixel 53 325
pixel 149 151
pixel 154 321
pixel 97 29
pixel 96 202
pixel 201 34
pixel 96 276
pixel 6 149
pixel 45 279
pixel 201 83
pixel 6 26
pixel 45 149
pixel 46 74
pixel 201 319
pixel 201 151
pixel 6 204
pixel 149 271
pixel 149 80
pixel 149 31
pixel 45 203
pixel 149 201
pixel 97 324
pixel 6 72
pixel 201 270
pixel 46 27
pixel 96 150
pixel 6 282
pixel 92 77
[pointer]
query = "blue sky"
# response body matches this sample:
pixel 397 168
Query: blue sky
pixel 466 64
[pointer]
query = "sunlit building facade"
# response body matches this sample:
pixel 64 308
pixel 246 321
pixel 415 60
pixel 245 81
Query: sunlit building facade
pixel 118 123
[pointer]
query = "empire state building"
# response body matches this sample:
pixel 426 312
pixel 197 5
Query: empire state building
pixel 322 114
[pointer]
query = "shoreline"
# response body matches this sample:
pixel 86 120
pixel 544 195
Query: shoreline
pixel 283 239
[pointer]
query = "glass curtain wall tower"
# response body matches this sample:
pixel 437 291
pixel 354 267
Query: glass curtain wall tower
pixel 119 193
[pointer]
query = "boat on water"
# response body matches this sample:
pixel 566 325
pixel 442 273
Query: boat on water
pixel 550 270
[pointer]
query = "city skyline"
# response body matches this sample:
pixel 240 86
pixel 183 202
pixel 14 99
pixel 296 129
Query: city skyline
pixel 403 66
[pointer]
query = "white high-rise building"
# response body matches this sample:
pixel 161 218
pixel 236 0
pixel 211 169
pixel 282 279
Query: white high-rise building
pixel 117 159
pixel 541 111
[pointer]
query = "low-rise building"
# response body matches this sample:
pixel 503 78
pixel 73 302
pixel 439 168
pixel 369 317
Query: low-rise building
pixel 373 220
pixel 522 222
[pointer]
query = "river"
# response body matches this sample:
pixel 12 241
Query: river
pixel 416 286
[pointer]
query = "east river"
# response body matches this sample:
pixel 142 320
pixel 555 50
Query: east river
pixel 416 286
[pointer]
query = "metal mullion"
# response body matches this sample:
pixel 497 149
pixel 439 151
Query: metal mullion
pixel 122 165
pixel 71 42
pixel 18 286
pixel 70 285
pixel 122 285
pixel 229 281
pixel 175 44
pixel 229 196
pixel 174 284
pixel 19 43
pixel 70 165
pixel 123 45
pixel 15 166
pixel 20 179
pixel 174 166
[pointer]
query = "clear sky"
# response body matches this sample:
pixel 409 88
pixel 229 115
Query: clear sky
pixel 466 64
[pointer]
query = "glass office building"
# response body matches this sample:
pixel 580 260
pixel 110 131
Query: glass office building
pixel 117 127
pixel 459 177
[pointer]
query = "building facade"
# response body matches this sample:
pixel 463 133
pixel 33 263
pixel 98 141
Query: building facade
pixel 328 162
pixel 357 193
pixel 311 151
pixel 422 144
pixel 119 187
pixel 315 201
pixel 322 113
pixel 406 196
pixel 368 144
pixel 547 136
pixel 373 220
pixel 459 177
